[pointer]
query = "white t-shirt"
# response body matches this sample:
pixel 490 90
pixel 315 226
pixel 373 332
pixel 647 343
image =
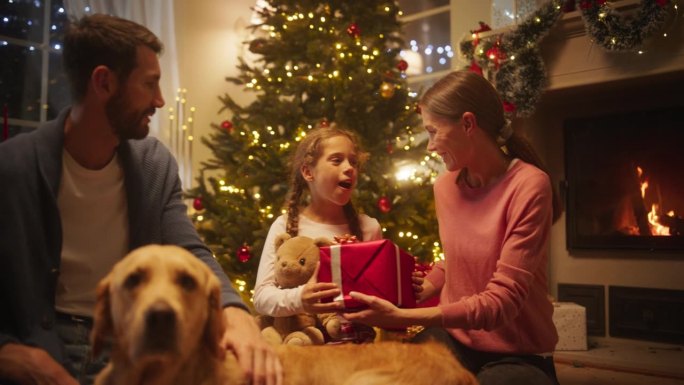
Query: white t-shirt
pixel 94 215
pixel 271 300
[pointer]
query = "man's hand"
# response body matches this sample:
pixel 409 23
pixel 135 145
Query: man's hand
pixel 256 357
pixel 27 365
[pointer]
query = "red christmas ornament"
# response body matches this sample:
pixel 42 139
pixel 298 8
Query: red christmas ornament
pixel 474 67
pixel 509 107
pixel 384 204
pixel 662 3
pixel 243 253
pixel 496 55
pixel 353 30
pixel 569 6
pixel 390 147
pixel 586 4
pixel 402 65
pixel 227 125
pixel 197 204
pixel 324 123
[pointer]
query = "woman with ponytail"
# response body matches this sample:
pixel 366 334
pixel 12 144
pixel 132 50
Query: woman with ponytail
pixel 495 206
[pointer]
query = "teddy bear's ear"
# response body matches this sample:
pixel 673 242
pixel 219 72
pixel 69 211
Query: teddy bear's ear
pixel 280 239
pixel 322 241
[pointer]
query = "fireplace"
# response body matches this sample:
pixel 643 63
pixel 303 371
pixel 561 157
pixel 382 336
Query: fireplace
pixel 625 180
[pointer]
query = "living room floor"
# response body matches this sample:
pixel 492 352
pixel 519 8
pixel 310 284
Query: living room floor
pixel 621 362
pixel 569 374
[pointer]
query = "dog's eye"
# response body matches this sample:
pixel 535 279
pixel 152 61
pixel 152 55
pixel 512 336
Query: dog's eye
pixel 133 280
pixel 186 281
pixel 302 261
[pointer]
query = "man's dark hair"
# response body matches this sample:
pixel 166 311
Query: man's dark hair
pixel 103 40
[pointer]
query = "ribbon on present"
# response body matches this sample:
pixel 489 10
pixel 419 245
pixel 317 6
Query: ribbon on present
pixel 336 271
pixel 346 238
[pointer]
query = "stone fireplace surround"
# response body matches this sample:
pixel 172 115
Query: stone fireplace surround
pixel 584 81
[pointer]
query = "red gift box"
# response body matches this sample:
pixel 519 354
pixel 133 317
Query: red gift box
pixel 378 268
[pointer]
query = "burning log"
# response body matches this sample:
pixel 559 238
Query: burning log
pixel 676 224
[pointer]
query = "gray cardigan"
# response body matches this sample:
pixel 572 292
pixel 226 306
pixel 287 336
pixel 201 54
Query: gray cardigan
pixel 31 234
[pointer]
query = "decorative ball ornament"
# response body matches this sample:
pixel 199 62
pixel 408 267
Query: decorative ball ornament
pixel 244 253
pixel 257 46
pixel 402 65
pixel 353 30
pixel 390 147
pixel 384 204
pixel 197 204
pixel 509 107
pixel 474 67
pixel 386 90
pixel 227 125
pixel 324 123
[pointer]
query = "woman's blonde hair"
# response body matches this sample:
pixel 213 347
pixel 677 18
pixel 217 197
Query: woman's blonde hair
pixel 465 91
pixel 308 152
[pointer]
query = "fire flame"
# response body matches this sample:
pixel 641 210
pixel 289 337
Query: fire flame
pixel 653 218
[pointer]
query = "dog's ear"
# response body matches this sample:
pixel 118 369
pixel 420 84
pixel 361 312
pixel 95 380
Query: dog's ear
pixel 213 328
pixel 102 321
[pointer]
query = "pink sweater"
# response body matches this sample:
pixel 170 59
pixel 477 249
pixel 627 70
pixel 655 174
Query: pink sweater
pixel 493 278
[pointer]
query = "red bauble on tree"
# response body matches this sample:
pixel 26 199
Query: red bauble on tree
pixel 244 253
pixel 384 204
pixel 324 123
pixel 227 125
pixel 197 204
pixel 509 107
pixel 402 65
pixel 353 30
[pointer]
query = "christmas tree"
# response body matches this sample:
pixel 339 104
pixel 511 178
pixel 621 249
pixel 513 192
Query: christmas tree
pixel 319 62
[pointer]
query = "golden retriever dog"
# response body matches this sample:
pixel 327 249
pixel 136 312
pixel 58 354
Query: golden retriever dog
pixel 159 310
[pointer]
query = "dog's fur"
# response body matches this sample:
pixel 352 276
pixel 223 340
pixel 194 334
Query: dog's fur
pixel 159 309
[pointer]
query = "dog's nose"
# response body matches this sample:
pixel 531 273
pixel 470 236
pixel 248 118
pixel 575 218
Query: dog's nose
pixel 160 315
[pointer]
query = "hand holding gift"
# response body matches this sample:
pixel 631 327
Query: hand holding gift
pixel 379 268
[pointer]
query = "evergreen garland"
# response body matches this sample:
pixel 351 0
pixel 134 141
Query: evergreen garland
pixel 514 59
pixel 616 33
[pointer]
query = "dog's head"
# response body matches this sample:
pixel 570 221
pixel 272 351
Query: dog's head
pixel 159 302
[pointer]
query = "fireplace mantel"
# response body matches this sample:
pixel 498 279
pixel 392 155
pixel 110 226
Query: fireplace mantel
pixel 572 59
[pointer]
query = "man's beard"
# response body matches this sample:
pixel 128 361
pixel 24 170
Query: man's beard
pixel 126 122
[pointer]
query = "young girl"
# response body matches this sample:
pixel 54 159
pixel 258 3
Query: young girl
pixel 326 163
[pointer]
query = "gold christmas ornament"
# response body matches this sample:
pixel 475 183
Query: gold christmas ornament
pixel 386 90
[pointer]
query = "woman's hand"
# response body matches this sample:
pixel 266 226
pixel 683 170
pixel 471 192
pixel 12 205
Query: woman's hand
pixel 384 314
pixel 422 288
pixel 313 292
pixel 380 312
pixel 417 278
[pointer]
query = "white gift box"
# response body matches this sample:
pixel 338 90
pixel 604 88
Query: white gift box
pixel 571 323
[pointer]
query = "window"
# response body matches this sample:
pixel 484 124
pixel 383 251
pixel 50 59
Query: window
pixel 427 32
pixel 32 86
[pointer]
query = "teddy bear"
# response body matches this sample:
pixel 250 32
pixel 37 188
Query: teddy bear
pixel 296 260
